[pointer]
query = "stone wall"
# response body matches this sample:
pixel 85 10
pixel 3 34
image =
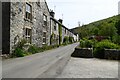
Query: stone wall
pixel 82 52
pixel 54 23
pixel 112 54
pixel 63 33
pixel 37 29
pixel 18 23
pixel 45 10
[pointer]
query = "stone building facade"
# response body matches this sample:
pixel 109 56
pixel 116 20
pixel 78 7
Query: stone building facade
pixel 26 20
pixel 31 21
pixel 54 29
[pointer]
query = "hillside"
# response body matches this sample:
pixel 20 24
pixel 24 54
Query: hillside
pixel 105 27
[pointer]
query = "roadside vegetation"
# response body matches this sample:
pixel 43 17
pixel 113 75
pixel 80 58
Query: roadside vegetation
pixel 100 35
pixel 98 47
pixel 23 49
pixel 106 27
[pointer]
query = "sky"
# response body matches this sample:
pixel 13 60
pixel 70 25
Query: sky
pixel 82 11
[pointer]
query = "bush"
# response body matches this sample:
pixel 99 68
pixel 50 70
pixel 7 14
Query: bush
pixel 85 43
pixel 66 40
pixel 33 49
pixel 71 39
pixel 100 46
pixel 18 53
pixel 116 39
pixel 21 43
pixel 45 47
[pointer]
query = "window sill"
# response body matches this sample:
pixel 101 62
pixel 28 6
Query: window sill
pixel 28 20
pixel 43 43
pixel 44 25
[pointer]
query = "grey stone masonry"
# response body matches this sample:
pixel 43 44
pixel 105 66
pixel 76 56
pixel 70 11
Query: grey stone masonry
pixel 46 28
pixel 27 22
pixel 112 54
pixel 54 27
pixel 82 52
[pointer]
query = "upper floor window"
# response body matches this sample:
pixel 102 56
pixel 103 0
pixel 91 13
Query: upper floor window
pixel 65 31
pixel 28 11
pixel 45 19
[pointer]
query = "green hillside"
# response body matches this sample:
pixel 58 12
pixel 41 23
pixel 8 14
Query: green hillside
pixel 106 27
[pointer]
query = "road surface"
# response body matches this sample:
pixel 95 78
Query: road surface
pixel 46 64
pixel 90 68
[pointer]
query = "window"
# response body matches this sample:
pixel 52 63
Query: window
pixel 44 37
pixel 28 35
pixel 55 26
pixel 28 11
pixel 45 20
pixel 65 31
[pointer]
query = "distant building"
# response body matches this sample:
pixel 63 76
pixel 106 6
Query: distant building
pixel 54 29
pixel 119 7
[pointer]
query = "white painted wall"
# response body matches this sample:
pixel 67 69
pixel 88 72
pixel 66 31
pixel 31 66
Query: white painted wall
pixel 119 7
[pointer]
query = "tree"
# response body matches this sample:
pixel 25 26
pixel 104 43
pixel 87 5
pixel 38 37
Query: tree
pixel 117 25
pixel 108 30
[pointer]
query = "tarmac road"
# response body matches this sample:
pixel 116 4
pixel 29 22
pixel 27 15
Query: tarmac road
pixel 47 64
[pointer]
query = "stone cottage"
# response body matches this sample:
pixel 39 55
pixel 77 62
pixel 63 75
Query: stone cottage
pixel 33 22
pixel 25 20
pixel 54 29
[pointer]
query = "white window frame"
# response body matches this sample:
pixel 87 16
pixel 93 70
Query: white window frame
pixel 44 37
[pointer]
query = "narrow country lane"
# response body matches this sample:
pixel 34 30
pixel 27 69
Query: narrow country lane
pixel 38 65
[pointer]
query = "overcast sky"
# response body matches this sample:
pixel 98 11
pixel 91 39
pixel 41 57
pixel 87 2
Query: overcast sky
pixel 83 11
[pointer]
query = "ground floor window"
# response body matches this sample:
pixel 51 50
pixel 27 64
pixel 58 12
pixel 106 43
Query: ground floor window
pixel 28 35
pixel 44 37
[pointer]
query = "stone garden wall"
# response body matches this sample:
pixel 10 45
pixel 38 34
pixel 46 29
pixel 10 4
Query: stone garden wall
pixel 83 52
pixel 112 54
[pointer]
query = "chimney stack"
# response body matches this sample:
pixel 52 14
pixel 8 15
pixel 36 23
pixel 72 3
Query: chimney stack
pixel 60 20
pixel 52 13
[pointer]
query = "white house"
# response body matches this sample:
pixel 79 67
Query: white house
pixel 119 7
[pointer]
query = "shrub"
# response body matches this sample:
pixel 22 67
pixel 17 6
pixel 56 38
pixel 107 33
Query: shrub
pixel 66 40
pixel 55 46
pixel 100 46
pixel 33 49
pixel 21 43
pixel 18 52
pixel 85 43
pixel 71 39
pixel 116 39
